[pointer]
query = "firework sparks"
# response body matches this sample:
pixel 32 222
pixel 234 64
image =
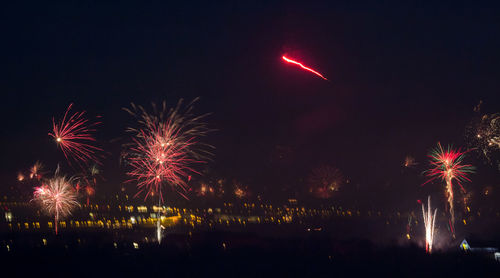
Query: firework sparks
pixel 89 181
pixel 324 181
pixel 288 60
pixel 429 221
pixel 409 161
pixel 484 135
pixel 240 191
pixel 205 190
pixel 447 164
pixel 35 171
pixel 74 135
pixel 164 149
pixel 57 197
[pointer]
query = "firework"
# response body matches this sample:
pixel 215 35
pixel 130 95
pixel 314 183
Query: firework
pixel 484 135
pixel 429 220
pixel 57 197
pixel 409 161
pixel 89 181
pixel 288 60
pixel 35 171
pixel 324 181
pixel 240 191
pixel 20 176
pixel 74 135
pixel 205 190
pixel 447 164
pixel 165 148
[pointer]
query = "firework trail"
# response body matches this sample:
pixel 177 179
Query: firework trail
pixel 324 181
pixel 288 60
pixel 57 197
pixel 429 220
pixel 447 164
pixel 74 135
pixel 164 149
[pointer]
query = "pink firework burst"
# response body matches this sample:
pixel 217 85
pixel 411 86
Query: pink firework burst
pixel 57 198
pixel 74 135
pixel 165 148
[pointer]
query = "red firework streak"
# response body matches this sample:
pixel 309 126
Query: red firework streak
pixel 288 60
pixel 74 135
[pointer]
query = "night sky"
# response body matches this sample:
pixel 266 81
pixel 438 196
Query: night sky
pixel 402 76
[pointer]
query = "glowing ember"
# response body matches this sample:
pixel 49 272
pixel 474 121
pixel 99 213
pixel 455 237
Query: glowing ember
pixel 57 197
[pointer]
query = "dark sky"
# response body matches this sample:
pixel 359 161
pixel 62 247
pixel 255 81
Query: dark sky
pixel 402 76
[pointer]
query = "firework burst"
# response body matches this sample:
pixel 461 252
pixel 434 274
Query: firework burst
pixel 35 171
pixel 447 164
pixel 241 191
pixel 164 149
pixel 74 135
pixel 409 161
pixel 429 221
pixel 57 197
pixel 324 181
pixel 484 135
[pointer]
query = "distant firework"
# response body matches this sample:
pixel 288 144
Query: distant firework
pixel 241 191
pixel 288 60
pixel 324 181
pixel 35 171
pixel 429 221
pixel 20 176
pixel 447 164
pixel 74 135
pixel 205 190
pixel 484 135
pixel 57 197
pixel 88 182
pixel 409 161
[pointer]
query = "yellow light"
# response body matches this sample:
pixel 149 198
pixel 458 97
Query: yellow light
pixel 58 139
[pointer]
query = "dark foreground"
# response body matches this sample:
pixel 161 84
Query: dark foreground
pixel 228 255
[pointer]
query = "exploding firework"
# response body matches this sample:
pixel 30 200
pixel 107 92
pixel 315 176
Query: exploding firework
pixel 409 161
pixel 288 60
pixel 74 135
pixel 240 191
pixel 429 221
pixel 447 164
pixel 35 171
pixel 164 149
pixel 88 182
pixel 205 190
pixel 57 197
pixel 484 135
pixel 324 181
